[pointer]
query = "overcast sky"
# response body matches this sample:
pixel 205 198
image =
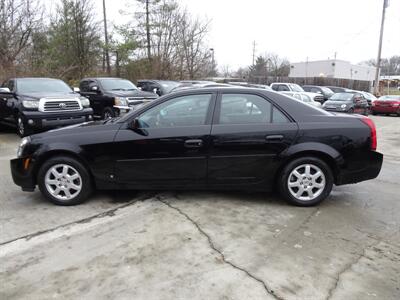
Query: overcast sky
pixel 295 29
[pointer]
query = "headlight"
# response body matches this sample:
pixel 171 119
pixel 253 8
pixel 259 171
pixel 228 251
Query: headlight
pixel 343 106
pixel 30 103
pixel 85 101
pixel 120 101
pixel 25 141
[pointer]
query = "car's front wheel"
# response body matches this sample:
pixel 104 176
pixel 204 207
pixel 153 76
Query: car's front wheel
pixel 22 127
pixel 306 181
pixel 64 180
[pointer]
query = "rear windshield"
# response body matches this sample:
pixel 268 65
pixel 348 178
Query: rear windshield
pixel 341 97
pixel 40 85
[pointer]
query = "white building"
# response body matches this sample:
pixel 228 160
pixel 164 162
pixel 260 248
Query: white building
pixel 333 68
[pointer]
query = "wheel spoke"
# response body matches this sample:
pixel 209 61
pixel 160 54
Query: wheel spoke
pixel 73 176
pixel 67 193
pixel 75 187
pixel 297 174
pixel 294 184
pixel 310 193
pixel 51 181
pixel 300 192
pixel 316 175
pixel 307 170
pixel 56 191
pixel 64 170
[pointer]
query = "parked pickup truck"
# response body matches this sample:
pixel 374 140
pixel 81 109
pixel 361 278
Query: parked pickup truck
pixel 37 104
pixel 109 97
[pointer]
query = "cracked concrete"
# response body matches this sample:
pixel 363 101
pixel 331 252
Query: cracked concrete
pixel 204 245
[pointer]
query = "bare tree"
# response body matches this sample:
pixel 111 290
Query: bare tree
pixel 18 20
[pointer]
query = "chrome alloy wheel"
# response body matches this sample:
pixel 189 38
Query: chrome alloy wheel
pixel 306 182
pixel 20 125
pixel 63 182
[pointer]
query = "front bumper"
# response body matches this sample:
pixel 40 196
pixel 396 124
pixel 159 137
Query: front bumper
pixel 23 173
pixel 41 120
pixel 367 166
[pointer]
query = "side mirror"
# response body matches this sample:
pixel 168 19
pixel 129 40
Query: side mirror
pixel 134 124
pixel 5 89
pixel 76 90
pixel 94 88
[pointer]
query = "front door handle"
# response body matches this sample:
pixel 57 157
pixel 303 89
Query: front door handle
pixel 193 143
pixel 274 137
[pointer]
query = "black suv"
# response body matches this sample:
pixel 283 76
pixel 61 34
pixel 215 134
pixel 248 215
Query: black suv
pixel 159 87
pixel 36 104
pixel 109 97
pixel 324 91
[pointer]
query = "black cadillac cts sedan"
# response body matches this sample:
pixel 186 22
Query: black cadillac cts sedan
pixel 206 138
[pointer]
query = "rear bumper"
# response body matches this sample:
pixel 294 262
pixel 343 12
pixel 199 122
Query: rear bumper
pixel 367 167
pixel 40 120
pixel 23 174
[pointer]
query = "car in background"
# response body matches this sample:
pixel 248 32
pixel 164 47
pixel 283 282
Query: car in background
pixel 38 104
pixel 338 89
pixel 204 84
pixel 209 138
pixel 348 102
pixel 370 98
pixel 159 87
pixel 326 92
pixel 286 87
pixel 109 97
pixel 305 97
pixel 251 85
pixel 388 104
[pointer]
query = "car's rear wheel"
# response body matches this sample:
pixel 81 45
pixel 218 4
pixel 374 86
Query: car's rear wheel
pixel 306 181
pixel 108 113
pixel 64 181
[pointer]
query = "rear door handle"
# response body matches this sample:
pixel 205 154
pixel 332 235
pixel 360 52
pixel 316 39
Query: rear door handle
pixel 193 143
pixel 274 137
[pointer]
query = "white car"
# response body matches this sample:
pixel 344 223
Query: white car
pixel 306 97
pixel 286 87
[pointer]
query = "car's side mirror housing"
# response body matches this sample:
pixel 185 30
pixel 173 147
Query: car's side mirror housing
pixel 134 124
pixel 95 89
pixel 5 89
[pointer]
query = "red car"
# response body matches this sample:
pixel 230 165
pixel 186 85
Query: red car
pixel 388 104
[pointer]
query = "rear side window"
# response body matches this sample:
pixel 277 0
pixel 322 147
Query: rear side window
pixel 248 109
pixel 283 88
pixel 315 90
pixel 84 86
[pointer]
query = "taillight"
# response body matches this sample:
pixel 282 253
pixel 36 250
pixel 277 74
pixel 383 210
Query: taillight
pixel 372 128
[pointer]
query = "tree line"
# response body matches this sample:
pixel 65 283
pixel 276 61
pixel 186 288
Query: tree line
pixel 162 40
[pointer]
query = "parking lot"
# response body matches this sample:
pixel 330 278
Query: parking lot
pixel 204 245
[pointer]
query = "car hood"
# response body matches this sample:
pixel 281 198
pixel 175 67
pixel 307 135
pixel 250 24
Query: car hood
pixel 40 95
pixel 134 93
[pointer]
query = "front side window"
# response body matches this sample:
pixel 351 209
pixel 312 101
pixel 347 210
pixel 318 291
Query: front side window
pixel 178 112
pixel 244 109
pixel 283 88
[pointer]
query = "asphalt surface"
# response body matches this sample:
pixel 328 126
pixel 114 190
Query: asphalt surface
pixel 204 245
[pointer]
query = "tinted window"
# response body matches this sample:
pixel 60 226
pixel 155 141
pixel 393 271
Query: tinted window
pixel 342 96
pixel 315 90
pixel 116 84
pixel 10 85
pixel 244 109
pixel 84 86
pixel 182 111
pixel 282 88
pixel 278 116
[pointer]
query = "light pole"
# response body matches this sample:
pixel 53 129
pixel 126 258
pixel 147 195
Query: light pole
pixel 212 62
pixel 378 60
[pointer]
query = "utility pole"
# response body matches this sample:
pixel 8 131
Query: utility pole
pixel 254 52
pixel 378 60
pixel 148 30
pixel 107 56
pixel 212 62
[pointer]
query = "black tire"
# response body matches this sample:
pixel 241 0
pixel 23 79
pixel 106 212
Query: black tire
pixel 86 182
pixel 283 181
pixel 23 128
pixel 107 113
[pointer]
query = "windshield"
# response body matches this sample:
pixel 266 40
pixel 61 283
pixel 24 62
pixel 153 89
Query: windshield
pixel 296 88
pixel 40 85
pixel 117 84
pixel 389 98
pixel 341 97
